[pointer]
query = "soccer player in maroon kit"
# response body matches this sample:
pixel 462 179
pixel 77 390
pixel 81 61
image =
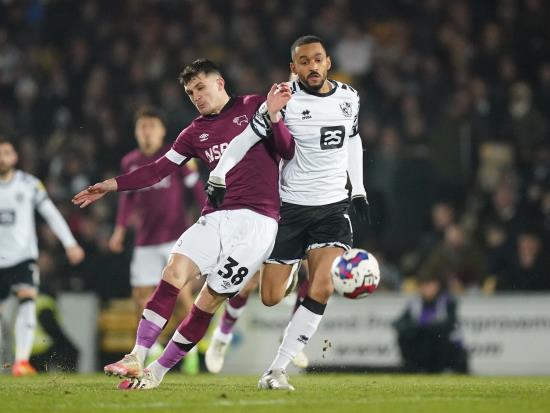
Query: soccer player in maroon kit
pixel 226 245
pixel 156 228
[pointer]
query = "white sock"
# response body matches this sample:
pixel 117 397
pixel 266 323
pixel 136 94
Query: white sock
pixel 223 337
pixel 158 370
pixel 141 353
pixel 300 329
pixel 25 324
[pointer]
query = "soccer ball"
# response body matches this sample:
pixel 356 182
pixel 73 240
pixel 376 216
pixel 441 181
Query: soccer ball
pixel 355 274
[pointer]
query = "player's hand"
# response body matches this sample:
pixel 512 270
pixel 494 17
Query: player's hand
pixel 116 242
pixel 75 254
pixel 361 208
pixel 277 98
pixel 94 192
pixel 215 189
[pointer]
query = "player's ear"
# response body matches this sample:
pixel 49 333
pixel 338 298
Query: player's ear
pixel 329 63
pixel 221 83
pixel 293 68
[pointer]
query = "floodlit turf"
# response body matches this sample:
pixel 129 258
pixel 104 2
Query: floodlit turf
pixel 332 393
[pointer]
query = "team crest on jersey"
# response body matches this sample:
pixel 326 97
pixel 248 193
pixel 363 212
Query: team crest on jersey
pixel 346 109
pixel 203 137
pixel 239 120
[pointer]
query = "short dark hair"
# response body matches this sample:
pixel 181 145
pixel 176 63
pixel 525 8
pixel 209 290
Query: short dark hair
pixel 308 39
pixel 199 66
pixel 5 140
pixel 150 112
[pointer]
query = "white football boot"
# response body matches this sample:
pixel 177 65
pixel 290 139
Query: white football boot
pixel 129 367
pixel 147 382
pixel 275 379
pixel 215 354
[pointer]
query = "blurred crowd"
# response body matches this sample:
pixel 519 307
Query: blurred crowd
pixel 454 117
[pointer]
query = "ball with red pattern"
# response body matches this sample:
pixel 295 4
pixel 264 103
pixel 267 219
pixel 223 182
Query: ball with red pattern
pixel 355 274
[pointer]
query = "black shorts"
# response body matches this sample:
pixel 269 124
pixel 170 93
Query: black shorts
pixel 22 274
pixel 303 228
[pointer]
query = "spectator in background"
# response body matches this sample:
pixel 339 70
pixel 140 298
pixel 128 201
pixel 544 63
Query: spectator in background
pixel 457 260
pixel 443 215
pixel 428 331
pixel 528 268
pixel 525 126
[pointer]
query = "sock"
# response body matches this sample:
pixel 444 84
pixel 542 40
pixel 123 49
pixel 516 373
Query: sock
pixel 189 333
pixel 25 324
pixel 300 329
pixel 233 310
pixel 156 314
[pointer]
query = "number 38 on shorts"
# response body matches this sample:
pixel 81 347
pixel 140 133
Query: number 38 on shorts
pixel 228 246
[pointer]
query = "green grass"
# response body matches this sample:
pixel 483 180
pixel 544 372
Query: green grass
pixel 315 393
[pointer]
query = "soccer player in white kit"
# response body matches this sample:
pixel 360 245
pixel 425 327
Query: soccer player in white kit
pixel 20 195
pixel 322 116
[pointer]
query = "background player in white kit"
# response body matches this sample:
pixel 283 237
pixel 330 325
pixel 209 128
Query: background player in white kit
pixel 156 228
pixel 21 194
pixel 322 116
pixel 226 245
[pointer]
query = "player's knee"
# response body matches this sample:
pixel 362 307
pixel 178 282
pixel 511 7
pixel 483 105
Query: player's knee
pixel 174 275
pixel 271 298
pixel 26 294
pixel 321 292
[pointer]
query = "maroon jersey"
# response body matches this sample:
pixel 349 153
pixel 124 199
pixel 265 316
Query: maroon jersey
pixel 254 182
pixel 146 208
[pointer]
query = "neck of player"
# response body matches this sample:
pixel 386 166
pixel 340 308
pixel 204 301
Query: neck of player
pixel 327 87
pixel 221 105
pixel 5 177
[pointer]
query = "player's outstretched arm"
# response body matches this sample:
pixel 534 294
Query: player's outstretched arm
pixel 94 192
pixel 142 177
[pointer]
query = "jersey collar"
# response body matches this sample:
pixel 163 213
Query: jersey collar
pixel 314 93
pixel 9 181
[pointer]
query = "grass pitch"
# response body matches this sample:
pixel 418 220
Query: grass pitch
pixel 321 393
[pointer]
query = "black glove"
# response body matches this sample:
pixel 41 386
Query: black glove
pixel 361 208
pixel 215 189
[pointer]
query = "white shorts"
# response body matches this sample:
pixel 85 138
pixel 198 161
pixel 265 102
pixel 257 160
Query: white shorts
pixel 147 264
pixel 228 247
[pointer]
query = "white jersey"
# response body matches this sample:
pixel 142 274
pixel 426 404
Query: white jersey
pixel 19 198
pixel 321 125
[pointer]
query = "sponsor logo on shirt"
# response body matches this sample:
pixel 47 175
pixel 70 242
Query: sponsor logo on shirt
pixel 215 152
pixel 306 114
pixel 303 339
pixel 239 120
pixel 346 109
pixel 203 137
pixel 332 137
